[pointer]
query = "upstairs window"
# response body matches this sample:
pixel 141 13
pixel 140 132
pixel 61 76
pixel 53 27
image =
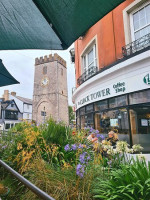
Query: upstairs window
pixel 140 22
pixel 89 58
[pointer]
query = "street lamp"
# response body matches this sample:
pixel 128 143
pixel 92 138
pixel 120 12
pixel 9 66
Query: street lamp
pixel 72 54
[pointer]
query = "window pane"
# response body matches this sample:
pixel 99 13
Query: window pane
pixel 115 119
pixel 90 57
pixel 141 20
pixel 82 111
pixel 148 13
pixel 7 126
pixel 139 97
pixel 144 31
pixel 84 62
pixel 118 101
pixel 137 35
pixel 89 121
pixel 101 105
pixel 136 21
pixel 89 108
pixel 140 126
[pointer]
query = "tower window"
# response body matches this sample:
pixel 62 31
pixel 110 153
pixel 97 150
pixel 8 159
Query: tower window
pixel 45 70
pixel 43 113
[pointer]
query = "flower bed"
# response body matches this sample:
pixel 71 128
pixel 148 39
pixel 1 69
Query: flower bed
pixel 65 164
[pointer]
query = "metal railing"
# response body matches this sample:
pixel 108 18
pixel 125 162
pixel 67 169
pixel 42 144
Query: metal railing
pixel 87 74
pixel 27 183
pixel 136 46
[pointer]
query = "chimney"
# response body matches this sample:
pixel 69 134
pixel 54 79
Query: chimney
pixel 6 95
pixel 13 94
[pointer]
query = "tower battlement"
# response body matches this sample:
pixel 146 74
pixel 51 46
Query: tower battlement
pixel 50 58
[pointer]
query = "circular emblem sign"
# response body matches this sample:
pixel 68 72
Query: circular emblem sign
pixel 146 79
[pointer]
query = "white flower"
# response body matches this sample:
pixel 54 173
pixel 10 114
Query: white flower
pixel 130 150
pixel 141 157
pixel 111 151
pixel 137 147
pixel 122 146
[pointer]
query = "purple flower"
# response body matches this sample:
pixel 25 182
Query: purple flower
pixel 67 148
pixel 88 158
pixel 73 147
pixel 98 135
pixel 91 130
pixel 80 146
pixel 96 131
pixel 80 170
pixel 102 137
pixel 109 163
pixel 82 158
pixel 4 147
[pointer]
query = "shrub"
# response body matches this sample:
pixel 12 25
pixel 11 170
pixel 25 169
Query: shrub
pixel 55 133
pixel 130 182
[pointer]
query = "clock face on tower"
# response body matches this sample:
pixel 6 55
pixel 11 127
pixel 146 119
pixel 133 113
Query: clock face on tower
pixel 44 81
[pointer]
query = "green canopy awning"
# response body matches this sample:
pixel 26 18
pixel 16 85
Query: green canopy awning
pixel 5 77
pixel 48 24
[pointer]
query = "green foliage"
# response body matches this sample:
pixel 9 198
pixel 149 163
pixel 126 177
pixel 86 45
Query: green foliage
pixel 55 133
pixel 71 115
pixel 130 182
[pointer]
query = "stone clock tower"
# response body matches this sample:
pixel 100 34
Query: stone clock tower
pixel 50 97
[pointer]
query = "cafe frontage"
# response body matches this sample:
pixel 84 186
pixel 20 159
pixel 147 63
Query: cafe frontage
pixel 118 98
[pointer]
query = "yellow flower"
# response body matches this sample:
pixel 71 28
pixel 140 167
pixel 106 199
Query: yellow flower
pixel 19 146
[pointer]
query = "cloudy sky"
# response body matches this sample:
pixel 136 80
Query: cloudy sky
pixel 21 65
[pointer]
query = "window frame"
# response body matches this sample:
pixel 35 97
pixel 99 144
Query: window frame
pixel 131 20
pixel 85 57
pixel 93 42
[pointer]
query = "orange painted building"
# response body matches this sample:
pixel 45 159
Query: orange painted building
pixel 112 66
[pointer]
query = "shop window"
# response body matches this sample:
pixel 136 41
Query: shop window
pixel 118 101
pixel 89 108
pixel 89 121
pixel 89 58
pixel 101 105
pixel 82 111
pixel 139 97
pixel 140 126
pixel 141 22
pixel 113 120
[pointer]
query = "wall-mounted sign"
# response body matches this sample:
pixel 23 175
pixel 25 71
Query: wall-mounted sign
pixel 146 79
pixel 144 122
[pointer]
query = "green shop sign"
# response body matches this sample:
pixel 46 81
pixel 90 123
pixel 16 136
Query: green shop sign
pixel 146 79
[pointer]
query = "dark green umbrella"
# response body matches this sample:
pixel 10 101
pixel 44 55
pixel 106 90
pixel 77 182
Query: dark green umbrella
pixel 48 24
pixel 5 77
